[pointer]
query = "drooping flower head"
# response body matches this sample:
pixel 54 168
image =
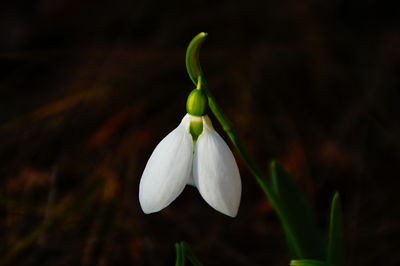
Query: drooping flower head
pixel 193 153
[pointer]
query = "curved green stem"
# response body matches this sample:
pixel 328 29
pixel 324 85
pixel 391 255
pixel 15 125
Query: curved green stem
pixel 196 75
pixel 195 72
pixel 284 213
pixel 192 57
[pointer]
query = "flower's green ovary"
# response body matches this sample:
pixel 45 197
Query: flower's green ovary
pixel 196 103
pixel 194 70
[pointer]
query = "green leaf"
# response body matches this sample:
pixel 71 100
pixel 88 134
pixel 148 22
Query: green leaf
pixel 302 234
pixel 299 224
pixel 180 259
pixel 188 252
pixel 336 236
pixel 183 252
pixel 308 263
pixel 192 57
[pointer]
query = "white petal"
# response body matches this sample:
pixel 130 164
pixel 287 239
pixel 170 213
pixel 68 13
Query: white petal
pixel 168 169
pixel 191 180
pixel 215 171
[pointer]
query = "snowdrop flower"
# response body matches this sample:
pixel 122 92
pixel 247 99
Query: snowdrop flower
pixel 193 153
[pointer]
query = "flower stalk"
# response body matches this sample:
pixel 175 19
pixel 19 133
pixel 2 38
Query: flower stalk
pixel 303 236
pixel 195 72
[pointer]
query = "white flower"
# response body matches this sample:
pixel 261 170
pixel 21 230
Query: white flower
pixel 206 163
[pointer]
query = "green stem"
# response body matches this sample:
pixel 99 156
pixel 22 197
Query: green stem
pixel 180 258
pixel 192 57
pixel 188 252
pixel 195 72
pixel 235 140
pixel 184 251
pixel 251 164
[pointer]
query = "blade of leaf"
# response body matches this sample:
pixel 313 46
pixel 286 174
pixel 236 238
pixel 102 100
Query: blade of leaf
pixel 180 259
pixel 188 252
pixel 308 263
pixel 302 233
pixel 336 236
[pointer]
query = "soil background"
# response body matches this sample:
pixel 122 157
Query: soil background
pixel 88 89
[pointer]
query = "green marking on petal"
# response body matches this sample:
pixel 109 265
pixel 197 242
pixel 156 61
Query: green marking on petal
pixel 196 127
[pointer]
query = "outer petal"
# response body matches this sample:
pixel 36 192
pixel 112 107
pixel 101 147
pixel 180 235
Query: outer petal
pixel 215 171
pixel 168 169
pixel 191 180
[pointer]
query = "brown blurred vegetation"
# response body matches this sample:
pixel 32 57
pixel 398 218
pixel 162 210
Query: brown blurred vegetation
pixel 89 88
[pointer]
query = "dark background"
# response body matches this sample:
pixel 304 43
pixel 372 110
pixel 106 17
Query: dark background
pixel 88 88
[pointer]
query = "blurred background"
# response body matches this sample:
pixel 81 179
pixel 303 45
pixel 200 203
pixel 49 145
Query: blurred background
pixel 88 88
